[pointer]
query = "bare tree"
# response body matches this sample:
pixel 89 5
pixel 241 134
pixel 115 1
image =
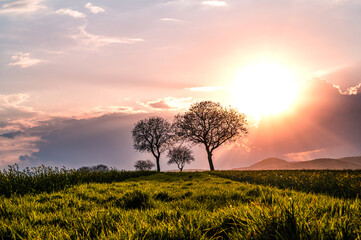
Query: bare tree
pixel 152 135
pixel 210 124
pixel 181 156
pixel 143 165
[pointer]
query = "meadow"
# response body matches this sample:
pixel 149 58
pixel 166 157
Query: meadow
pixel 337 183
pixel 178 206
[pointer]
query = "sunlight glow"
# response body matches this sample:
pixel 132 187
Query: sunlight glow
pixel 264 88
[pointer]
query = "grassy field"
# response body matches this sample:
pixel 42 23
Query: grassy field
pixel 48 179
pixel 337 183
pixel 178 206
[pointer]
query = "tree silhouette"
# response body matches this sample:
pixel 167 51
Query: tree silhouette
pixel 210 124
pixel 181 156
pixel 153 135
pixel 97 168
pixel 143 165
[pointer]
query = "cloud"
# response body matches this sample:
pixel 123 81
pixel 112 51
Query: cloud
pixel 25 157
pixel 12 148
pixel 22 7
pixel 346 76
pixel 324 119
pixel 11 135
pixel 15 116
pixel 204 89
pixel 354 90
pixel 301 156
pixel 93 41
pixel 70 12
pixel 11 108
pixel 190 3
pixel 160 104
pixel 215 3
pixel 323 124
pixel 76 143
pixel 181 2
pixel 24 60
pixel 103 110
pixel 172 20
pixel 168 103
pixel 13 99
pixel 94 9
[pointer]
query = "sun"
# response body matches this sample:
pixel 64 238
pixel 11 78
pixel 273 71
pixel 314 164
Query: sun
pixel 264 88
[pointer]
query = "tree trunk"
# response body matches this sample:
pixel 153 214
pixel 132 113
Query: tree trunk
pixel 209 153
pixel 157 161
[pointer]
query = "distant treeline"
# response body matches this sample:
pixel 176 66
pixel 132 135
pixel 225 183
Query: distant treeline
pixel 48 179
pixel 336 183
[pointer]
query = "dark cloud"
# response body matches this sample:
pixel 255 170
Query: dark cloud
pixel 75 143
pixel 11 134
pixel 25 157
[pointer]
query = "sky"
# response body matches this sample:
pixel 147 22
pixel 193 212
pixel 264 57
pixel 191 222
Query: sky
pixel 75 76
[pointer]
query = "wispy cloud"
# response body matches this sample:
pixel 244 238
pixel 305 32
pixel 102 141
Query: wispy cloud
pixel 94 41
pixel 215 3
pixel 70 12
pixel 24 60
pixel 181 2
pixel 168 103
pixel 354 90
pixel 302 156
pixel 22 7
pixel 94 9
pixel 85 113
pixel 12 110
pixel 13 99
pixel 172 20
pixel 205 89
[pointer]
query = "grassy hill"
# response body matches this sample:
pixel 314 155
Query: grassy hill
pixel 269 164
pixel 178 206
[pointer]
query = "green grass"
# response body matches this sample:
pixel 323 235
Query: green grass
pixel 178 206
pixel 48 179
pixel 337 183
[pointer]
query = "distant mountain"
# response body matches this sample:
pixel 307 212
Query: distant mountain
pixel 321 163
pixel 356 160
pixel 269 164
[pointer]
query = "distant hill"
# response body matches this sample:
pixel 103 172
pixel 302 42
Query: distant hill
pixel 356 160
pixel 269 164
pixel 188 170
pixel 321 163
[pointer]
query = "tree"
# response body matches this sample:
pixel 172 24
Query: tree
pixel 143 165
pixel 210 124
pixel 97 168
pixel 152 135
pixel 181 156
